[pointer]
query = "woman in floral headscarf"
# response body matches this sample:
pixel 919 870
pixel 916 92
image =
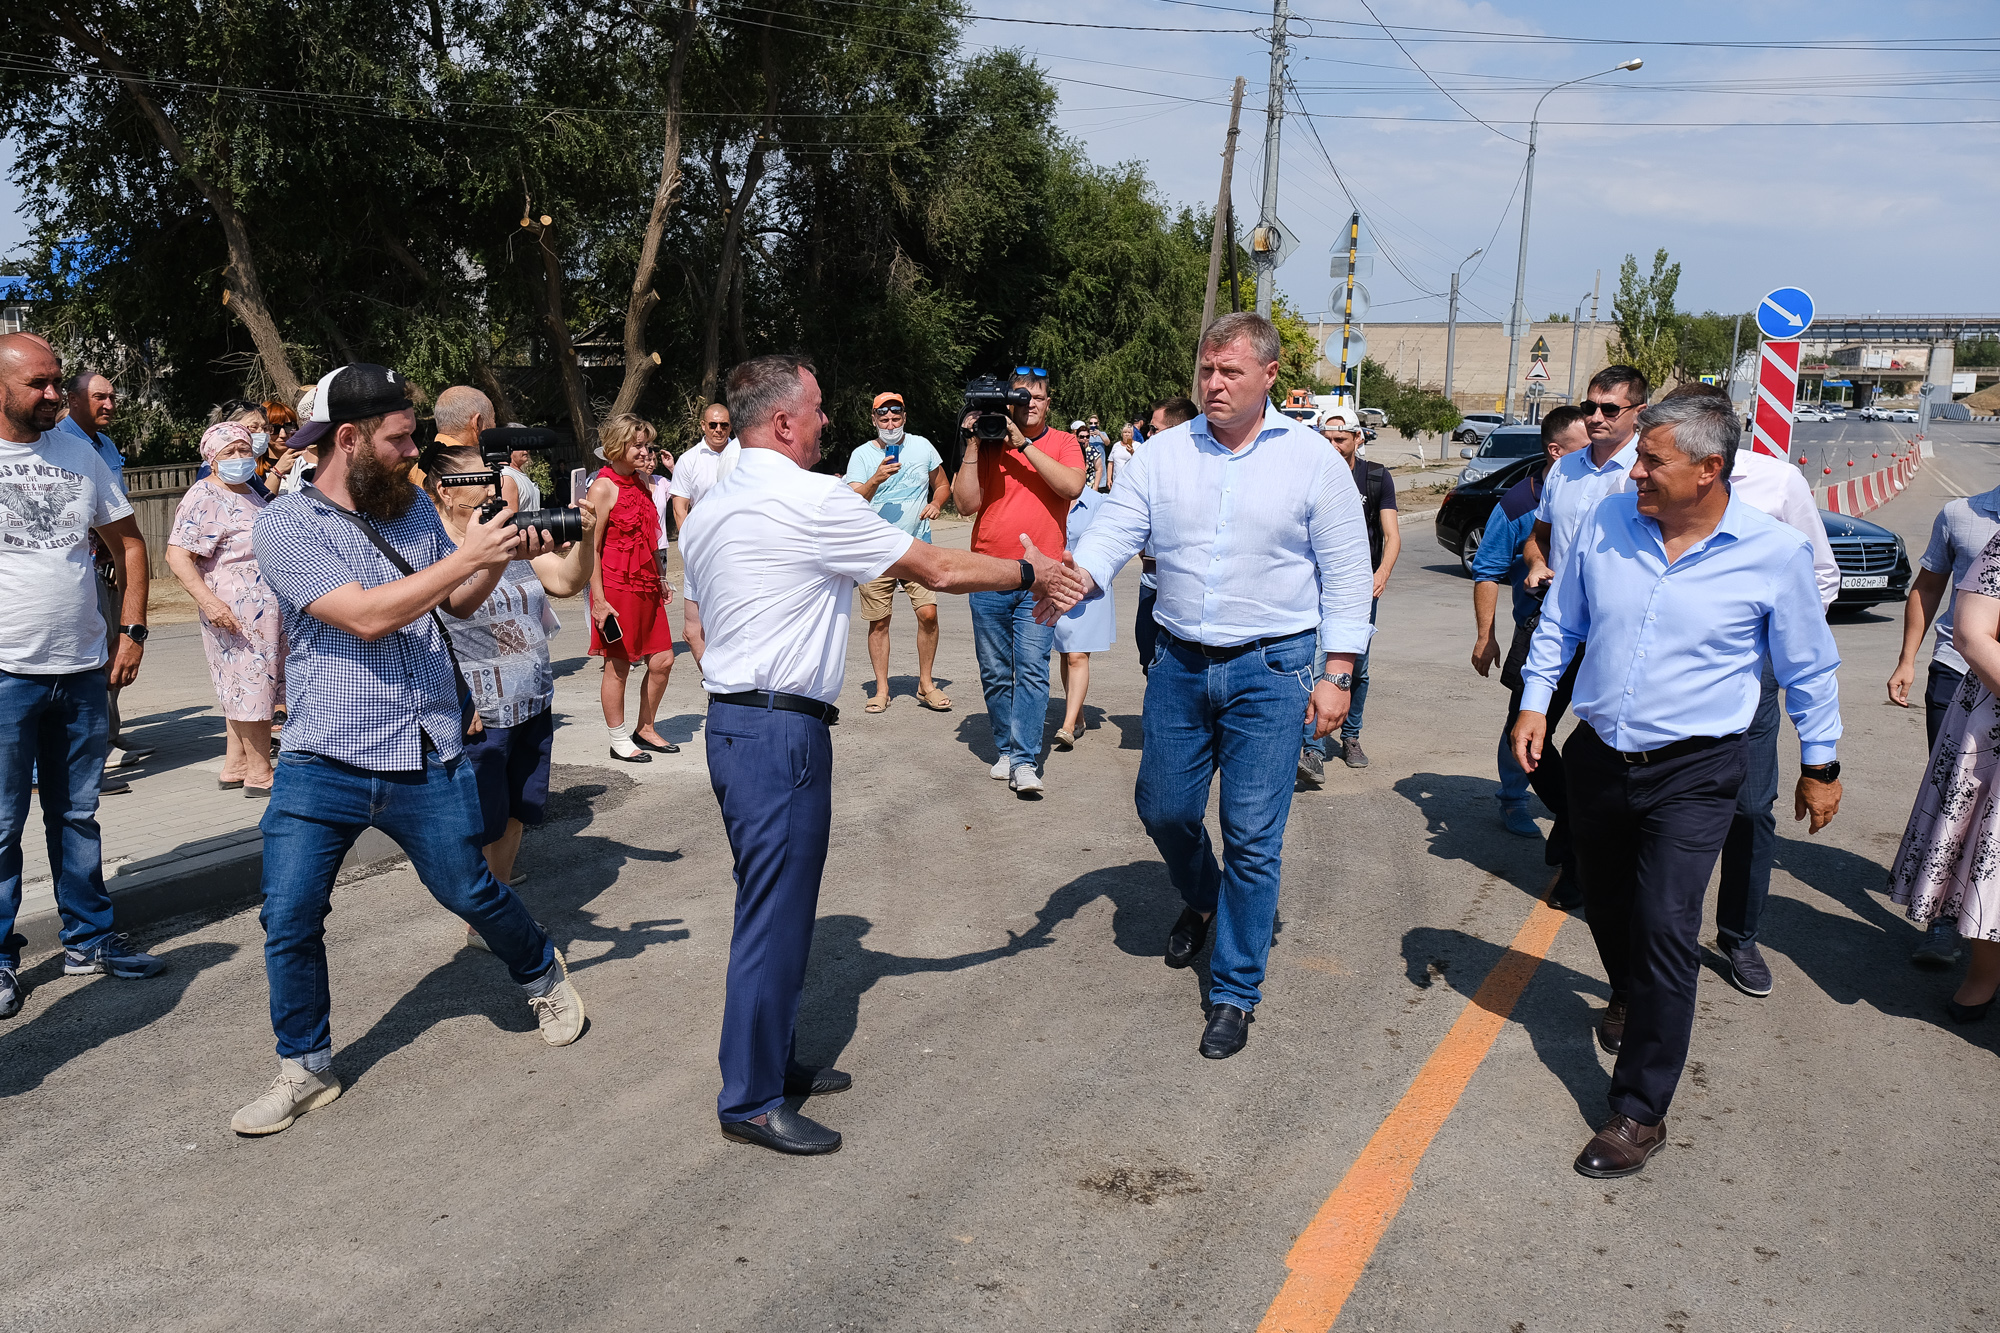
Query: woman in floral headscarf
pixel 241 628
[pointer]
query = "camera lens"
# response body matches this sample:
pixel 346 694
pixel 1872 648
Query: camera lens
pixel 562 525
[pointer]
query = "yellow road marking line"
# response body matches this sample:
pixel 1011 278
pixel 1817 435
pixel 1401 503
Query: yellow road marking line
pixel 1330 1254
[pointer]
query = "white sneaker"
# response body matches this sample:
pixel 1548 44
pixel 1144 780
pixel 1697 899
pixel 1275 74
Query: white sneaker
pixel 1003 768
pixel 560 1012
pixel 1025 778
pixel 295 1091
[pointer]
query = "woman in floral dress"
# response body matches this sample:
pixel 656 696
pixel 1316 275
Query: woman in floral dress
pixel 1950 859
pixel 241 627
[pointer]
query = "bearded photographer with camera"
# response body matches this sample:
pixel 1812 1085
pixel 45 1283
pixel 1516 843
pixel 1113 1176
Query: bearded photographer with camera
pixel 1016 488
pixel 379 714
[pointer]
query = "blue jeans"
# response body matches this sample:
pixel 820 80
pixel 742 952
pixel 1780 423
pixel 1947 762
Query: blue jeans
pixel 1013 654
pixel 56 724
pixel 1513 778
pixel 1241 715
pixel 1357 698
pixel 318 808
pixel 1753 831
pixel 773 777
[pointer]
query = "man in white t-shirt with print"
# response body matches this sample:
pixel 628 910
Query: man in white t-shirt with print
pixel 901 476
pixel 54 728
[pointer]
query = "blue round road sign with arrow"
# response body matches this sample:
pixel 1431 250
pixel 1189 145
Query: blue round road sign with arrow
pixel 1785 313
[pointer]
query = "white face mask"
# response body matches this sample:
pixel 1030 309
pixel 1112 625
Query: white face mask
pixel 260 443
pixel 236 471
pixel 889 436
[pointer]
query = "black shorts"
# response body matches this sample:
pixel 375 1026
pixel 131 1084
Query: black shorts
pixel 511 767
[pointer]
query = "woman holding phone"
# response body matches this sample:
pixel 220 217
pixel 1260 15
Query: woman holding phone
pixel 628 601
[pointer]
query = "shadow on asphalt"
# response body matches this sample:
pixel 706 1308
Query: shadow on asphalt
pixel 50 1032
pixel 843 968
pixel 1864 960
pixel 1462 815
pixel 1558 1018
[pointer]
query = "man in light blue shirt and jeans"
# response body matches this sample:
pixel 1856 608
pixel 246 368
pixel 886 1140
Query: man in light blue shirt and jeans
pixel 1263 561
pixel 901 476
pixel 1681 592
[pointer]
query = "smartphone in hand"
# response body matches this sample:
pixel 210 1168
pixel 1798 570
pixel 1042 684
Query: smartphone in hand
pixel 892 452
pixel 609 631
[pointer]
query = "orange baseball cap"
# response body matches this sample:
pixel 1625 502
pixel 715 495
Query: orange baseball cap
pixel 883 399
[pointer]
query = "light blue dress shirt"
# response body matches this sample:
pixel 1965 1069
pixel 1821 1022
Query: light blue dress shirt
pixel 1677 651
pixel 106 450
pixel 1268 540
pixel 1572 489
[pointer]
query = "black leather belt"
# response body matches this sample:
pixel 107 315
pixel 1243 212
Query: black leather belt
pixel 1692 745
pixel 790 703
pixel 1234 650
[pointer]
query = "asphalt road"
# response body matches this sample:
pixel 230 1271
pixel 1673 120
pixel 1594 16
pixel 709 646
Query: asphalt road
pixel 1032 1141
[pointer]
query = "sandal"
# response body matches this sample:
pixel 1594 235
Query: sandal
pixel 934 699
pixel 879 704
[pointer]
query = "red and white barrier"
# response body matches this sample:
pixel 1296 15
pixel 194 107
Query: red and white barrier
pixel 1871 490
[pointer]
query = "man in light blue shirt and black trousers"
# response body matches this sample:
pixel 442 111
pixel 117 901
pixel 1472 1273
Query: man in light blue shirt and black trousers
pixel 1680 592
pixel 1263 577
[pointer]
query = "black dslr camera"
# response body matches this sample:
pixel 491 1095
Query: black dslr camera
pixel 496 446
pixel 991 396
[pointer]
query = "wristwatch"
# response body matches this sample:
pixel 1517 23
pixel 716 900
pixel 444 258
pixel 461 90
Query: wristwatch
pixel 1027 577
pixel 136 633
pixel 1341 680
pixel 1821 772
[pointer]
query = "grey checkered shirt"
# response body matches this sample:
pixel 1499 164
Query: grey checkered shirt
pixel 366 704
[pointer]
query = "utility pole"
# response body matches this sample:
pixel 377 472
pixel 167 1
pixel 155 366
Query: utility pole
pixel 1222 215
pixel 1451 323
pixel 1235 283
pixel 1349 390
pixel 1735 344
pixel 1595 283
pixel 1575 328
pixel 1274 112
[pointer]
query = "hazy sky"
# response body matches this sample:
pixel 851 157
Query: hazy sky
pixel 1756 166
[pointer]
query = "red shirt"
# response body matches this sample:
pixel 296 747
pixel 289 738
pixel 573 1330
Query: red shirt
pixel 1018 500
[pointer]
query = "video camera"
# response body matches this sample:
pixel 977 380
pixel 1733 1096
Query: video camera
pixel 991 396
pixel 496 446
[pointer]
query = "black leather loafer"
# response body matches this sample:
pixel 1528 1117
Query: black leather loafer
pixel 641 758
pixel 667 747
pixel 803 1082
pixel 1190 932
pixel 1228 1028
pixel 786 1131
pixel 1620 1148
pixel 1611 1027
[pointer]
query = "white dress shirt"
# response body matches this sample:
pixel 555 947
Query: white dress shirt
pixel 1263 541
pixel 1572 488
pixel 773 555
pixel 1779 489
pixel 701 468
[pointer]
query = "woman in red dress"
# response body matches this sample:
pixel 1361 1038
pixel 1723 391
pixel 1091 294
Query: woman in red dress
pixel 626 583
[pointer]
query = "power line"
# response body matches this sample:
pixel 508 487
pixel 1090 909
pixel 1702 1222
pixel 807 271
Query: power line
pixel 1427 74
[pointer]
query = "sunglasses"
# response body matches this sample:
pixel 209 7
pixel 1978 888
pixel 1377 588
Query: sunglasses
pixel 1036 371
pixel 715 425
pixel 1590 407
pixel 888 411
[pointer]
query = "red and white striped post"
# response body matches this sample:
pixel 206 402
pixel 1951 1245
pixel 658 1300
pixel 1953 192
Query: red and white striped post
pixel 1777 395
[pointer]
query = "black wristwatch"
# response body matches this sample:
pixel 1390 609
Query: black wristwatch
pixel 1027 577
pixel 1821 772
pixel 136 633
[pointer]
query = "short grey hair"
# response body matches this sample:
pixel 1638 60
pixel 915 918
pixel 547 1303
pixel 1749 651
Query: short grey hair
pixel 458 405
pixel 1262 333
pixel 760 386
pixel 1703 427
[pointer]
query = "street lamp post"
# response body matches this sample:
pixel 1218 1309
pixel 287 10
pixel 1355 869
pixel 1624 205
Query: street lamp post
pixel 1519 313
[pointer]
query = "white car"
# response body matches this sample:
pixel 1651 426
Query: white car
pixel 1810 412
pixel 1907 415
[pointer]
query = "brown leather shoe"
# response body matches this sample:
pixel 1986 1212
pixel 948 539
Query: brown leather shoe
pixel 1620 1148
pixel 1611 1027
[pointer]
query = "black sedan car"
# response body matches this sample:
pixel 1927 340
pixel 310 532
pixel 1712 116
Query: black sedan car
pixel 1874 565
pixel 1461 520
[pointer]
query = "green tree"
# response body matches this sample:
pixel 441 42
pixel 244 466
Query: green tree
pixel 1648 326
pixel 1411 409
pixel 1702 347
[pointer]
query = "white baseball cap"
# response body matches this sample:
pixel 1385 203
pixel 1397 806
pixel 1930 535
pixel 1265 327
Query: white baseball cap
pixel 1344 416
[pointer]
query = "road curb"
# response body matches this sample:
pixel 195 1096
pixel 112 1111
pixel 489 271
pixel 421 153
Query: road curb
pixel 222 873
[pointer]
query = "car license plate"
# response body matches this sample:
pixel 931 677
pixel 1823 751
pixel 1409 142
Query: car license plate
pixel 1864 581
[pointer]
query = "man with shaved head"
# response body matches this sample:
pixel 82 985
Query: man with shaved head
pixel 461 413
pixel 54 651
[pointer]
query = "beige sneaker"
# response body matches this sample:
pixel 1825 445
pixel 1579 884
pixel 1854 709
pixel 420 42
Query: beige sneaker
pixel 295 1091
pixel 560 1012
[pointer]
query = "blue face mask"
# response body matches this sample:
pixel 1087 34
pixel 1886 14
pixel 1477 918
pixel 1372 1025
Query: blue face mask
pixel 236 471
pixel 260 444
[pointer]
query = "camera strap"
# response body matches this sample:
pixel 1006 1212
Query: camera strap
pixel 466 710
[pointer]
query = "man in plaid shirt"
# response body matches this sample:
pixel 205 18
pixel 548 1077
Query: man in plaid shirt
pixel 376 731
